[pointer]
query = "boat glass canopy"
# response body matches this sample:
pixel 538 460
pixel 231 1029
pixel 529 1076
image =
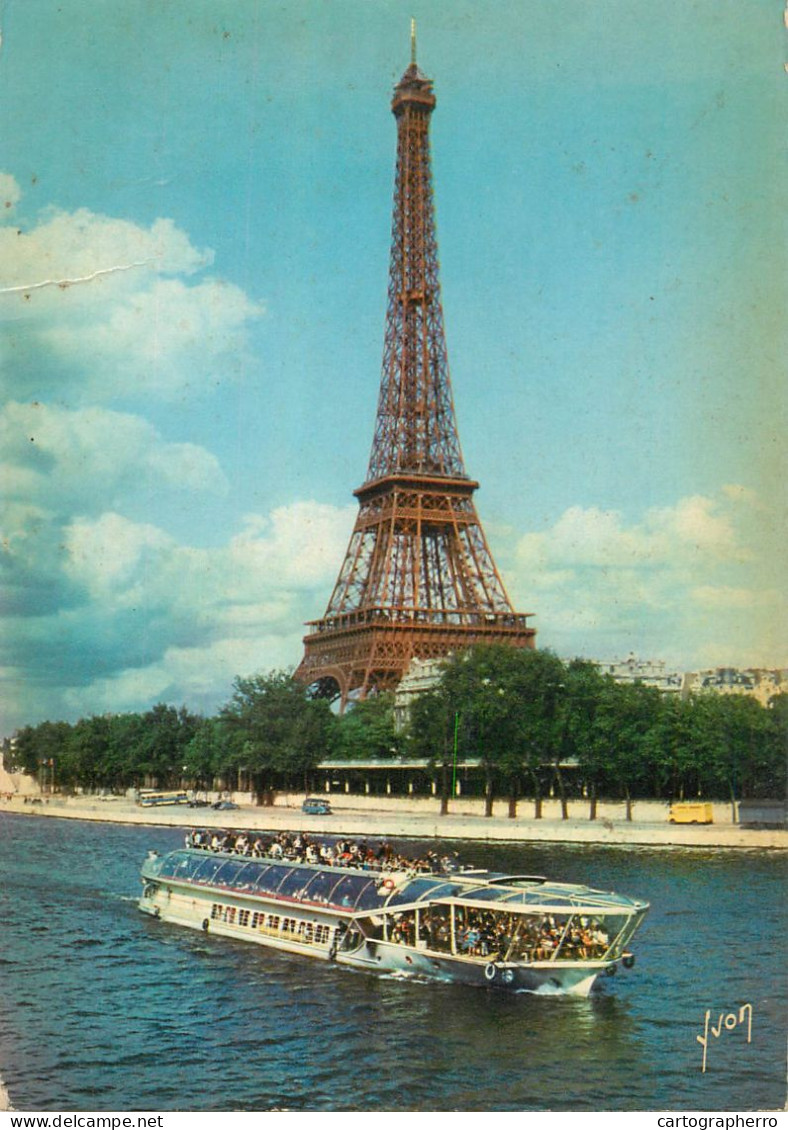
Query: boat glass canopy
pixel 370 890
pixel 359 890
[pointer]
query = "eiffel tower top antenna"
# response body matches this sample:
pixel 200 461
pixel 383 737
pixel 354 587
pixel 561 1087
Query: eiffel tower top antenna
pixel 413 42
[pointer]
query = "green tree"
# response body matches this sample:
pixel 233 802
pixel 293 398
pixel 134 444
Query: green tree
pixel 275 730
pixel 752 755
pixel 88 745
pixel 778 745
pixel 430 735
pixel 627 721
pixel 367 729
pixel 204 754
pixel 540 688
pixel 41 752
pixel 507 704
pixel 125 735
pixel 474 702
pixel 162 738
pixel 586 690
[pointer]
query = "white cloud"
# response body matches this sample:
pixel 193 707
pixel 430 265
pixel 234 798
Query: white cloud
pixel 84 459
pixel 47 265
pixel 695 530
pixel 738 493
pixel 159 341
pixel 10 195
pixel 726 596
pixel 199 676
pixel 105 609
pixel 144 616
pixel 153 617
pixel 99 309
pixel 250 587
pixel 686 580
pixel 298 545
pixel 698 529
pixel 107 555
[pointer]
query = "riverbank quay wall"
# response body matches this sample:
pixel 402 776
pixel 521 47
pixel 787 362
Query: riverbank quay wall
pixel 403 820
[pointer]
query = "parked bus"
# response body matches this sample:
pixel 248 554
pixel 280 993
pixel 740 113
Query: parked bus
pixel 153 798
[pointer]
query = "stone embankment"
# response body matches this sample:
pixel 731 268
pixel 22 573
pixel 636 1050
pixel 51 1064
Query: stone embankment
pixel 420 819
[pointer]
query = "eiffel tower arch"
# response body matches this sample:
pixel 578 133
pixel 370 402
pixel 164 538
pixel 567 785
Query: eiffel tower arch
pixel 418 579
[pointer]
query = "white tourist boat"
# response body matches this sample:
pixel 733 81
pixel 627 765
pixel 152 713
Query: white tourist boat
pixel 388 915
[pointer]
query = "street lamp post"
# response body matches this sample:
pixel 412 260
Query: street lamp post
pixel 454 759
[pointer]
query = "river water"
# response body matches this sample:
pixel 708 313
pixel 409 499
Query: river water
pixel 105 1009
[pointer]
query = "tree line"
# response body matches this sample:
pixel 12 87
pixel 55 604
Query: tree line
pixel 538 723
pixel 535 723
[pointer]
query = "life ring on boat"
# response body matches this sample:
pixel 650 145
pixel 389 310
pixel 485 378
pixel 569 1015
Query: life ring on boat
pixel 206 923
pixel 388 884
pixel 490 972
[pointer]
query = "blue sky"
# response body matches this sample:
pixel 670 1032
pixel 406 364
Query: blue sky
pixel 193 266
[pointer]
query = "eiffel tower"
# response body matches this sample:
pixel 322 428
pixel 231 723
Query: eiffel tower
pixel 418 579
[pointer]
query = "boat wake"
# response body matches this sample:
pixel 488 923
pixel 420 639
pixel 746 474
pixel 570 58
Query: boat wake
pixel 403 975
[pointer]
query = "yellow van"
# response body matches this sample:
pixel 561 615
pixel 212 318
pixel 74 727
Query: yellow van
pixel 691 812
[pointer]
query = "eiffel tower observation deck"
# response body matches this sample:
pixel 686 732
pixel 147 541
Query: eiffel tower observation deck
pixel 418 579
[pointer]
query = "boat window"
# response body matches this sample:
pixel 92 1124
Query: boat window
pixel 522 898
pixel 371 897
pixel 615 927
pixel 442 891
pixel 350 888
pixel 186 867
pixel 294 884
pixel 206 869
pixel 227 873
pixel 246 877
pixel 270 879
pixel 415 889
pixel 490 894
pixel 260 882
pixel 173 863
pixel 320 887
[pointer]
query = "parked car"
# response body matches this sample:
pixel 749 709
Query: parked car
pixel 225 806
pixel 316 806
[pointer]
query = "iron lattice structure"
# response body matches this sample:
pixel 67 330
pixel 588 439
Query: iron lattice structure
pixel 418 579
